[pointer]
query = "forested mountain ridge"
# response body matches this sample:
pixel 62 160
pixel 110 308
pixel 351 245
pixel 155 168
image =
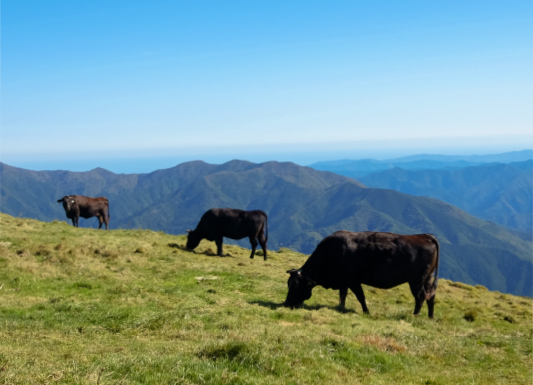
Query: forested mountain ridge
pixel 501 193
pixel 303 206
pixel 497 187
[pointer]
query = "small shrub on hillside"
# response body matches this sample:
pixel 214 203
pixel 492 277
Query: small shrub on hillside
pixel 42 251
pixel 106 253
pixel 470 315
pixel 67 259
pixel 509 319
pixel 23 253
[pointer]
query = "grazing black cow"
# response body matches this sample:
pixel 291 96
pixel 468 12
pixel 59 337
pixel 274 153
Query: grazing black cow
pixel 231 223
pixel 345 260
pixel 77 206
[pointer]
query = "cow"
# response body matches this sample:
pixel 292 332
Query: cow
pixel 218 223
pixel 345 260
pixel 77 206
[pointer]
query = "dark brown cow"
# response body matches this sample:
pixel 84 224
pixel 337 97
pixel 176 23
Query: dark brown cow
pixel 345 260
pixel 77 206
pixel 216 224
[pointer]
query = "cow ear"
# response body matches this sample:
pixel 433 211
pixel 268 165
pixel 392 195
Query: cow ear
pixel 189 231
pixel 60 200
pixel 292 271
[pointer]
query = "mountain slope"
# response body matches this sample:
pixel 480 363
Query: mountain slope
pixel 303 205
pixel 501 193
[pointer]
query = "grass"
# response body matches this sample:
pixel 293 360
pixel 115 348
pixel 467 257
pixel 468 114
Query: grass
pixel 84 306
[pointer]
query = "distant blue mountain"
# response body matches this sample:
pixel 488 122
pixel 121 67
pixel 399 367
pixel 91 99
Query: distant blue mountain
pixel 496 187
pixel 363 167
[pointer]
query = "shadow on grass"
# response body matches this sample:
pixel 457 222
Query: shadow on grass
pixel 208 252
pixel 275 306
pixel 270 305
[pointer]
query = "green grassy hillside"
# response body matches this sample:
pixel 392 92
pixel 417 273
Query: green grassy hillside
pixel 82 306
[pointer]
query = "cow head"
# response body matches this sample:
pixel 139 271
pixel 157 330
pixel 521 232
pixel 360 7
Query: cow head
pixel 193 239
pixel 300 288
pixel 68 202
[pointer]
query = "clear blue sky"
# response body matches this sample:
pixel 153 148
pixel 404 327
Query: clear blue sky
pixel 133 86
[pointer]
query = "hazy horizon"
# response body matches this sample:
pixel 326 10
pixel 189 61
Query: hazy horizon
pixel 147 164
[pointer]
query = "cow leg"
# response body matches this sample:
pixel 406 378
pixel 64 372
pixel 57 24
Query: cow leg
pixel 431 305
pixel 359 293
pixel 420 295
pixel 218 241
pixel 263 243
pixel 253 241
pixel 343 292
pixel 100 221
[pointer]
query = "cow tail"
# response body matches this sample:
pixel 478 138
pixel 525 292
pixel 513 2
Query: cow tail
pixel 266 228
pixel 436 278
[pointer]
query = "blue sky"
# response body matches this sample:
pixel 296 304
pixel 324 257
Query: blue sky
pixel 134 86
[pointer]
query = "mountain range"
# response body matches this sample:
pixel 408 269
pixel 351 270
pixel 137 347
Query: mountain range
pixel 497 187
pixel 501 193
pixel 303 205
pixel 362 167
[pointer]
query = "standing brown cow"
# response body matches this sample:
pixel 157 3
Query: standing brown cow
pixel 77 206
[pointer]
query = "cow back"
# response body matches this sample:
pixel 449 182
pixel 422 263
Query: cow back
pixel 230 223
pixel 377 259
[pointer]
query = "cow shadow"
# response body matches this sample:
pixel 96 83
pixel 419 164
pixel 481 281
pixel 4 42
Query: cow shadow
pixel 213 254
pixel 275 306
pixel 208 252
pixel 267 304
